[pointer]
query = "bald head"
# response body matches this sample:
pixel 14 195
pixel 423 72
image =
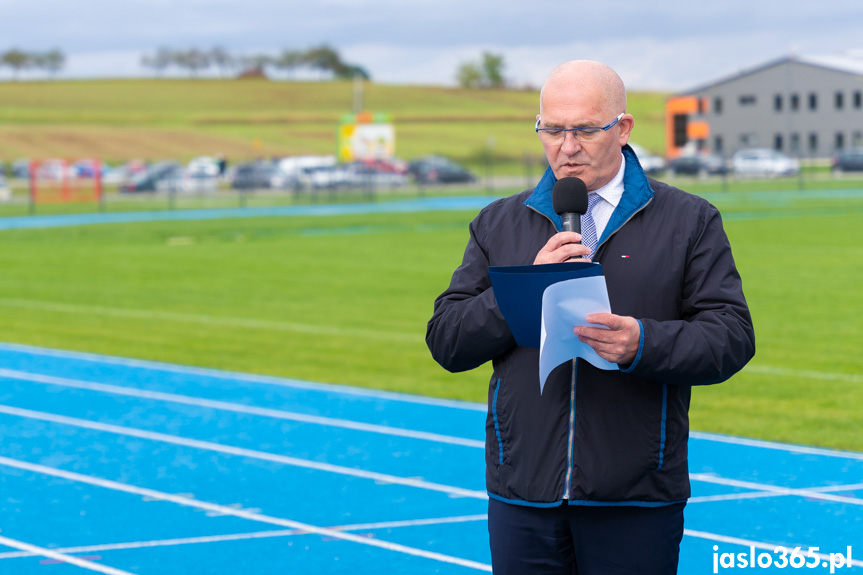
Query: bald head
pixel 592 79
pixel 577 95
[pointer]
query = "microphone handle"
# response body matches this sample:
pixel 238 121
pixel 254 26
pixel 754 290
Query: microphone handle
pixel 571 222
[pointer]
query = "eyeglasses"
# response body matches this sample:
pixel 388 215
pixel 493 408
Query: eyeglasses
pixel 587 134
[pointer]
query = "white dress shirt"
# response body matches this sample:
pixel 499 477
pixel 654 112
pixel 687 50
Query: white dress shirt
pixel 611 193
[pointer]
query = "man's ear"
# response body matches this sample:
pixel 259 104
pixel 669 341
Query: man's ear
pixel 626 123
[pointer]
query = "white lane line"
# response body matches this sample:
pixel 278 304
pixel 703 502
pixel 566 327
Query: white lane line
pixel 252 535
pixel 260 518
pixel 242 452
pixel 235 322
pixel 760 494
pixel 63 558
pixel 236 376
pixel 788 447
pixel 803 373
pixel 239 408
pixel 734 496
pixel 807 493
pixel 770 547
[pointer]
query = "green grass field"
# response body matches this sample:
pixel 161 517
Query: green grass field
pixel 118 120
pixel 346 299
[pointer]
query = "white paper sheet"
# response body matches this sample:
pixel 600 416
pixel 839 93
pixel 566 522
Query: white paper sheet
pixel 565 305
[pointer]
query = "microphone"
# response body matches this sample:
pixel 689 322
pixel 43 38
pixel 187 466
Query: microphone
pixel 569 199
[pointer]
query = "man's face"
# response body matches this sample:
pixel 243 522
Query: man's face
pixel 597 161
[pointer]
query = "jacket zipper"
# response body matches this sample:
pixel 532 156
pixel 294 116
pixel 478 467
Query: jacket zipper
pixel 571 437
pixel 569 444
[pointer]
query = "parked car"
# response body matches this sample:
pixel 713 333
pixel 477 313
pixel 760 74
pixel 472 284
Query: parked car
pixel 438 170
pixel 21 168
pixel 764 162
pixel 701 165
pixel 156 177
pixel 5 192
pixel 254 176
pixel 850 160
pixel 374 175
pixel 650 163
pixel 200 176
pixel 325 177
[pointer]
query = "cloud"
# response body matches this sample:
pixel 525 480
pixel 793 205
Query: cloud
pixel 675 46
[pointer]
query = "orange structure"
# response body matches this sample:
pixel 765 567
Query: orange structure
pixel 683 126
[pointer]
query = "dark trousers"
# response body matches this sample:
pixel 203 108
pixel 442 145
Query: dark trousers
pixel 579 540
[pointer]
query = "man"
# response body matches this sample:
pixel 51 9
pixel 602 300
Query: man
pixel 591 476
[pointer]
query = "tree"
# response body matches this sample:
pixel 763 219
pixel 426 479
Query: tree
pixel 492 68
pixel 159 62
pixel 469 76
pixel 289 61
pixel 487 74
pixel 17 60
pixel 193 60
pixel 222 59
pixel 53 61
pixel 322 58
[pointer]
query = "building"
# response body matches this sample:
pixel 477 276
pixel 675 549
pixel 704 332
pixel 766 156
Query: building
pixel 806 107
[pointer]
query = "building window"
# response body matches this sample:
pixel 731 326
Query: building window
pixel 795 102
pixel 748 140
pixel 840 100
pixel 858 99
pixel 681 121
pixel 701 104
pixel 840 140
pixel 777 142
pixel 813 143
pixel 717 144
pixel 747 100
pixel 795 143
pixel 857 139
pixel 717 105
pixel 777 102
pixel 813 101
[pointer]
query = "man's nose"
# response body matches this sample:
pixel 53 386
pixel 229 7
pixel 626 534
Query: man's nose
pixel 570 144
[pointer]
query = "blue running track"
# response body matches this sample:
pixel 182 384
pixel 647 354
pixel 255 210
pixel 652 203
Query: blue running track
pixel 119 466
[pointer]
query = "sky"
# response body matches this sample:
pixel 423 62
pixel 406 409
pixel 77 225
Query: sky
pixel 671 45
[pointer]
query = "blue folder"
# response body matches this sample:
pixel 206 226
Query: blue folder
pixel 518 291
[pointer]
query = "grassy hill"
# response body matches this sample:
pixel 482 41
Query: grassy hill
pixel 119 120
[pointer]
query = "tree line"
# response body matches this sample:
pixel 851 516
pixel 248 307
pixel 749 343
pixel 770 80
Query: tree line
pixel 51 61
pixel 194 61
pixel 487 73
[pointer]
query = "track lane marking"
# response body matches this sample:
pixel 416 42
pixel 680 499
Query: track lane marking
pixel 236 376
pixel 223 510
pixel 251 535
pixel 238 408
pixel 61 557
pixel 382 478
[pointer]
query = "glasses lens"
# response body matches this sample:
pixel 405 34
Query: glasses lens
pixel 551 135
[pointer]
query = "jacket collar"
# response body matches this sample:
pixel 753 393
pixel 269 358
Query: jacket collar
pixel 636 194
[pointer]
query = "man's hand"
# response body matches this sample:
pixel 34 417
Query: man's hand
pixel 562 247
pixel 617 344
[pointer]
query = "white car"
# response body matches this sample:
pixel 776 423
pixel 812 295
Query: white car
pixel 763 162
pixel 650 163
pixel 201 176
pixel 5 192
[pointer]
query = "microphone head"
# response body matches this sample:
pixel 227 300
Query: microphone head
pixel 569 195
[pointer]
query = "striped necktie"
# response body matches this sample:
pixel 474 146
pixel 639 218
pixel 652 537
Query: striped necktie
pixel 588 227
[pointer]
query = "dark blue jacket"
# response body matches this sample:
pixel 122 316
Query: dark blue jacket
pixel 598 437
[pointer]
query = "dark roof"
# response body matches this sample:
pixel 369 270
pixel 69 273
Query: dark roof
pixel 849 64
